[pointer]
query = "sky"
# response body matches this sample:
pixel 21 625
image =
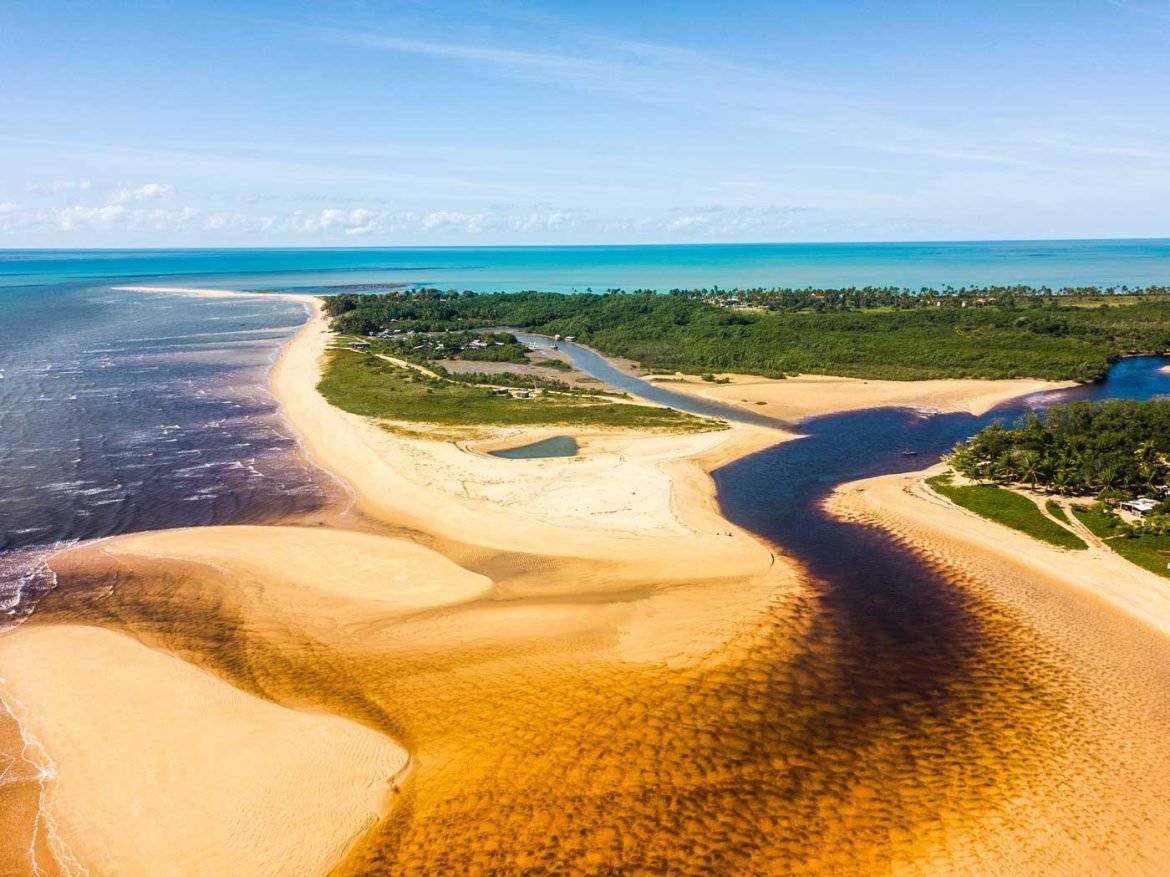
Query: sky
pixel 383 123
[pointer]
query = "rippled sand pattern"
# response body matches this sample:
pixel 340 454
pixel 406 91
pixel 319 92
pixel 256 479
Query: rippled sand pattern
pixel 833 735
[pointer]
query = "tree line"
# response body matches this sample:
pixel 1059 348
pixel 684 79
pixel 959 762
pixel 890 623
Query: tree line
pixel 993 332
pixel 1113 448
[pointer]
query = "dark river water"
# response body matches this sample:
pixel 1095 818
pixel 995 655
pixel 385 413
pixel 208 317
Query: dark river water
pixel 883 599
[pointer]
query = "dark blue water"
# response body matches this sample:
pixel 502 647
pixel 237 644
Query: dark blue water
pixel 796 476
pixel 127 411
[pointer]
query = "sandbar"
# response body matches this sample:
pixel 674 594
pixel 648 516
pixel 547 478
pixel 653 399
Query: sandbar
pixel 804 396
pixel 160 768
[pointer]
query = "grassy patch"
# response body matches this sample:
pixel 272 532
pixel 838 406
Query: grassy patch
pixel 1057 510
pixel 1148 552
pixel 1009 509
pixel 364 384
pixel 1101 522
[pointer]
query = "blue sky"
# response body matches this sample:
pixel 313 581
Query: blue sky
pixel 318 123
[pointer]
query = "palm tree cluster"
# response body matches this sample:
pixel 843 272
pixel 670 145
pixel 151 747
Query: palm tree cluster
pixel 1112 449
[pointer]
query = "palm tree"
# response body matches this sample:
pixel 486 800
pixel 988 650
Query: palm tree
pixel 1150 465
pixel 1030 463
pixel 1107 478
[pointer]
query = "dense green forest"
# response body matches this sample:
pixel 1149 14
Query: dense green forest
pixel 867 332
pixel 1114 447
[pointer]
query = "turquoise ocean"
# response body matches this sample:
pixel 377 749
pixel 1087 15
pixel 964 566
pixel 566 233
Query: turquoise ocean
pixel 563 269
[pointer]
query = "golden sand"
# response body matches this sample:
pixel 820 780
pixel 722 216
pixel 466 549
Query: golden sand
pixel 594 672
pixel 812 395
pixel 160 768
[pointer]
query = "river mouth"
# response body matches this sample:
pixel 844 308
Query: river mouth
pixel 872 716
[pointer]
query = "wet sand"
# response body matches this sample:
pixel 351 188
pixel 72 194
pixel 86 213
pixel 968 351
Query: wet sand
pixel 159 768
pixel 592 670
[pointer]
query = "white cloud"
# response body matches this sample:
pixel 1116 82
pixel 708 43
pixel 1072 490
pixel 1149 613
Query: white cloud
pixel 357 221
pixel 453 220
pixel 361 221
pixel 145 192
pixel 143 223
pixel 80 216
pixel 689 223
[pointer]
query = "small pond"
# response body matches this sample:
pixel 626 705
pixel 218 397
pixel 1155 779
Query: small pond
pixel 557 446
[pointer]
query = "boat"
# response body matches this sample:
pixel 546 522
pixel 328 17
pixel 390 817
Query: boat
pixel 906 452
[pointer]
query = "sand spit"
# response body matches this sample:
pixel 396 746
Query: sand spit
pixel 617 503
pixel 812 395
pixel 907 506
pixel 592 671
pixel 163 769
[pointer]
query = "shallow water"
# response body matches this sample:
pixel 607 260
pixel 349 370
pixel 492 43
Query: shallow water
pixel 123 411
pixel 557 446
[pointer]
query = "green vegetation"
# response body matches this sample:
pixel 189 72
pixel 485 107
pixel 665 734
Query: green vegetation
pixel 1101 521
pixel 363 383
pixel 1056 510
pixel 1115 448
pixel 471 346
pixel 872 333
pixel 1149 550
pixel 1007 508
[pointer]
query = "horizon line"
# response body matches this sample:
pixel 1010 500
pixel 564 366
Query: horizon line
pixel 663 245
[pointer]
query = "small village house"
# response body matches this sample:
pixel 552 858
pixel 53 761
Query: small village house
pixel 1140 507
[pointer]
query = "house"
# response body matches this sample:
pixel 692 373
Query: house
pixel 477 345
pixel 521 394
pixel 1140 507
pixel 499 391
pixel 360 345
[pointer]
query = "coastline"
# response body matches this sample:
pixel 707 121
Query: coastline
pixel 629 536
pixel 904 506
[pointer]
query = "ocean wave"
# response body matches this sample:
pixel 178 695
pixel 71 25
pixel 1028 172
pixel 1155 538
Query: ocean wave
pixel 25 577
